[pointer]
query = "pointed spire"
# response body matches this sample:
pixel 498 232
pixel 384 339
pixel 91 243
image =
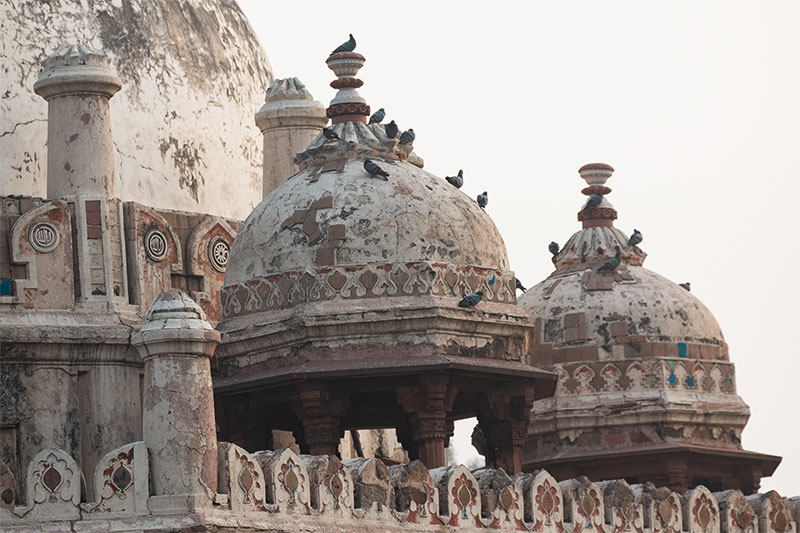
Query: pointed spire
pixel 596 175
pixel 347 105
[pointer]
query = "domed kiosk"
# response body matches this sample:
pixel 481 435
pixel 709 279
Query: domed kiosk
pixel 646 390
pixel 340 304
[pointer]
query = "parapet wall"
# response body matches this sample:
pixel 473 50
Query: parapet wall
pixel 281 491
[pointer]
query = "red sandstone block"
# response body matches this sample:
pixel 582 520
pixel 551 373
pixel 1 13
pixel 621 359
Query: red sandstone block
pixel 25 205
pixel 619 328
pixel 571 320
pixel 571 334
pixel 647 350
pixel 659 349
pixel 637 338
pixel 93 218
pixel 337 232
pixel 325 256
pixel 559 356
pixel 94 232
pixel 92 206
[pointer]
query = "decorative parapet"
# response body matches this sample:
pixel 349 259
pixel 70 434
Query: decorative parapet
pixel 348 282
pixel 279 490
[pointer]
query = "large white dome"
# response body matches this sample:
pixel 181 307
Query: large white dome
pixel 193 74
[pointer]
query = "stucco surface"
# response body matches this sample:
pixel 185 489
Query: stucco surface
pixel 413 216
pixel 193 74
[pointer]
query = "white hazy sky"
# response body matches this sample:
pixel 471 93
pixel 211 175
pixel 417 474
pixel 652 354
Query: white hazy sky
pixel 695 103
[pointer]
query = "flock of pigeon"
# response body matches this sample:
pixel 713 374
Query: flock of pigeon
pixel 407 137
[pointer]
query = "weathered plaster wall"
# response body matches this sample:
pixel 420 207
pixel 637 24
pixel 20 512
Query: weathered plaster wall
pixel 193 73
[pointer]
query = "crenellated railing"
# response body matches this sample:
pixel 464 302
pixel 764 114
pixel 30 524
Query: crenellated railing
pixel 279 490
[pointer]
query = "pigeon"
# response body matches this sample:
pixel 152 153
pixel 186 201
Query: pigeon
pixel 348 46
pixel 554 248
pixel 456 181
pixel 330 134
pixel 520 286
pixel 377 116
pixel 374 170
pixel 483 199
pixel 471 299
pixel 687 286
pixel 407 136
pixel 611 264
pixel 594 201
pixel 636 238
pixel 391 130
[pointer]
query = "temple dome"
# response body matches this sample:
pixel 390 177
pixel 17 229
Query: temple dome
pixel 342 216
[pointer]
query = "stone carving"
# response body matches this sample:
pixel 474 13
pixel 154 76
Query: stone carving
pixel 54 487
pixel 622 509
pixel 43 237
pixel 331 484
pixel 372 483
pixel 700 511
pixel 8 487
pixel 241 475
pixel 288 289
pixel 121 481
pixel 287 479
pixel 155 244
pixel 773 514
pixel 736 513
pixel 288 89
pixel 459 495
pixel 544 505
pixel 584 502
pixel 218 250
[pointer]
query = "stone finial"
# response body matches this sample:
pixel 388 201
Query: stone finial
pixel 596 175
pixel 174 318
pixel 347 105
pixel 76 69
pixel 290 120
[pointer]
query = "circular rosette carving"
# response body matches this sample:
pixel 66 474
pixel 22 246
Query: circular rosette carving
pixel 218 250
pixel 155 245
pixel 43 237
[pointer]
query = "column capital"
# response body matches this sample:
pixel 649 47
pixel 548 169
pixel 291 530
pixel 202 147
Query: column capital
pixel 76 69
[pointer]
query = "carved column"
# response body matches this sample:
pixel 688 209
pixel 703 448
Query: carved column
pixel 503 419
pixel 77 83
pixel 289 121
pixel 427 406
pixel 320 412
pixel 177 344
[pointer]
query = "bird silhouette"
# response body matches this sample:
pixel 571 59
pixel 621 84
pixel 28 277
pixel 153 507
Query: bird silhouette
pixel 520 286
pixel 347 46
pixel 611 264
pixel 594 201
pixel 391 130
pixel 408 136
pixel 686 285
pixel 554 248
pixel 374 170
pixel 483 199
pixel 636 238
pixel 471 299
pixel 330 134
pixel 456 181
pixel 377 116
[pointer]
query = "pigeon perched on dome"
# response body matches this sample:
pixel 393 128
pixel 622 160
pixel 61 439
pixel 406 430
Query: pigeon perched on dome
pixel 391 130
pixel 377 116
pixel 347 46
pixel 554 248
pixel 612 264
pixel 520 286
pixel 456 181
pixel 594 201
pixel 483 199
pixel 374 170
pixel 408 136
pixel 330 134
pixel 686 285
pixel 636 238
pixel 471 299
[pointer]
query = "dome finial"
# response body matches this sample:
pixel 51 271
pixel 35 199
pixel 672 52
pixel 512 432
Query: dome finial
pixel 597 211
pixel 347 105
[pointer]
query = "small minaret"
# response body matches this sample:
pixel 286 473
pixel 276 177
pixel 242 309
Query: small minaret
pixel 77 82
pixel 289 120
pixel 596 175
pixel 176 344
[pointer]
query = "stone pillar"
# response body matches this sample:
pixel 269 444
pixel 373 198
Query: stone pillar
pixel 321 415
pixel 289 120
pixel 77 83
pixel 427 406
pixel 177 344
